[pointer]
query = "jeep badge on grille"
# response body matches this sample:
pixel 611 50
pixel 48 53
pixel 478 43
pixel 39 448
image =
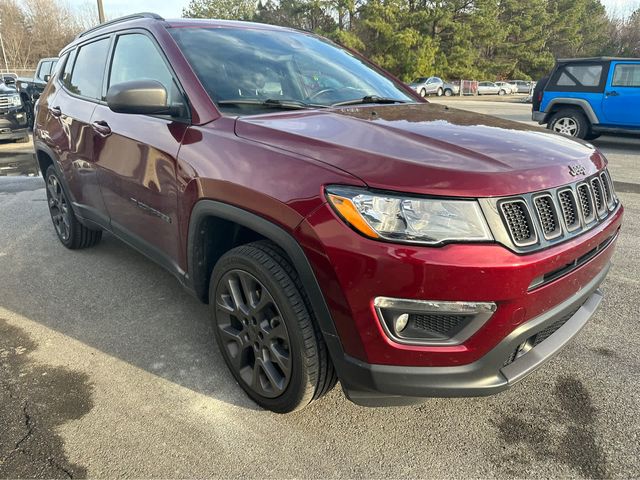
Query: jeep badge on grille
pixel 576 169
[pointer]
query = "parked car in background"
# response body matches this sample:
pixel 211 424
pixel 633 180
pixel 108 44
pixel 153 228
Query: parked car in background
pixel 31 88
pixel 426 86
pixel 490 88
pixel 587 97
pixel 451 88
pixel 351 232
pixel 520 86
pixel 13 117
pixel 507 87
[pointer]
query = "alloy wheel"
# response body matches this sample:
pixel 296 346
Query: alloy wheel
pixel 58 208
pixel 566 126
pixel 255 337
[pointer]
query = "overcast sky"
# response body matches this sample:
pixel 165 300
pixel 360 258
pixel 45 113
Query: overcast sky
pixel 173 8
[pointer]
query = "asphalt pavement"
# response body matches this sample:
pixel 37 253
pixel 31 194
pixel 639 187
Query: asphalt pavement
pixel 109 369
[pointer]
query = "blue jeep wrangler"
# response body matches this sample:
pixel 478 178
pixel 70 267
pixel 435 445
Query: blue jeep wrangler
pixel 587 97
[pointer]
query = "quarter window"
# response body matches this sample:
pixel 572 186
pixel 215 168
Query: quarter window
pixel 626 75
pixel 86 77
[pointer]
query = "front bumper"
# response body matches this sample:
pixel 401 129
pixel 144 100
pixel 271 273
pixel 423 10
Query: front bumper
pixel 376 385
pixel 352 271
pixel 13 124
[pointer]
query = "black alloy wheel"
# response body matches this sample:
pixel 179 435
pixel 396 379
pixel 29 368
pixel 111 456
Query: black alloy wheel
pixel 253 333
pixel 266 330
pixel 59 208
pixel 71 233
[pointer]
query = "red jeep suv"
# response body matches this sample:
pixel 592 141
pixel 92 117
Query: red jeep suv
pixel 340 227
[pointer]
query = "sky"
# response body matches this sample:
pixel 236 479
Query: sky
pixel 173 8
pixel 116 8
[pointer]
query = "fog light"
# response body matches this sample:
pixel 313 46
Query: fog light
pixel 401 322
pixel 431 322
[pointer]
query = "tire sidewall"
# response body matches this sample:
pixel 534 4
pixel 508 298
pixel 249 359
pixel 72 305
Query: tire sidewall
pixel 580 120
pixel 299 384
pixel 73 222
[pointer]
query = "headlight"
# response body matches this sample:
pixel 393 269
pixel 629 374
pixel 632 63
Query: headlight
pixel 409 219
pixel 15 101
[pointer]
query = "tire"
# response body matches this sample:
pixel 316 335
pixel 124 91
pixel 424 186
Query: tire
pixel 265 330
pixel 24 139
pixel 440 92
pixel 423 93
pixel 502 92
pixel 570 122
pixel 448 92
pixel 71 233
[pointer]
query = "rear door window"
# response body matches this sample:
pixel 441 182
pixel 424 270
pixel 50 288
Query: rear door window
pixel 626 75
pixel 88 70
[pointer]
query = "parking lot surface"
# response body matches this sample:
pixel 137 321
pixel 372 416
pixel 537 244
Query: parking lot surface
pixel 108 368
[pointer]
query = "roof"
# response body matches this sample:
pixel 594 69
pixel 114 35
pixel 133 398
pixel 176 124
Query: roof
pixel 595 59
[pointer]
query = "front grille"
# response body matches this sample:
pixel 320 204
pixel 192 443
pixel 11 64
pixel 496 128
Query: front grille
pixel 569 210
pixel 598 196
pixel 539 219
pixel 607 189
pixel 518 220
pixel 547 215
pixel 445 325
pixel 585 202
pixel 4 101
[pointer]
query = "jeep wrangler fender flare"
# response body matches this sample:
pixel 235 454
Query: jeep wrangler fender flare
pixel 574 102
pixel 211 208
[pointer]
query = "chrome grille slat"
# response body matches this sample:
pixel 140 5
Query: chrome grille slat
pixel 586 203
pixel 599 196
pixel 519 223
pixel 532 221
pixel 608 189
pixel 547 215
pixel 569 209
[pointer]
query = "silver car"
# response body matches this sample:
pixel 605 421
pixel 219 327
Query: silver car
pixel 451 89
pixel 428 86
pixel 507 87
pixel 521 86
pixel 489 88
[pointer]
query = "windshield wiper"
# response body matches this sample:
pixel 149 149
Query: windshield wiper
pixel 272 103
pixel 368 99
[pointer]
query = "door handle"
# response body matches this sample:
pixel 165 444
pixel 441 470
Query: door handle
pixel 102 128
pixel 613 93
pixel 55 111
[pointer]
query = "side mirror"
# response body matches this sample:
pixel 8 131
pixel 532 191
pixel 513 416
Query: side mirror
pixel 47 78
pixel 143 97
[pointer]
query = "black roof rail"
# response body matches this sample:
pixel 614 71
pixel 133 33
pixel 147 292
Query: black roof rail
pixel 134 16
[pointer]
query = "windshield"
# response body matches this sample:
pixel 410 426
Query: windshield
pixel 252 69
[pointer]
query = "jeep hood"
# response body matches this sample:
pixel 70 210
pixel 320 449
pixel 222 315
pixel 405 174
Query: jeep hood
pixel 427 148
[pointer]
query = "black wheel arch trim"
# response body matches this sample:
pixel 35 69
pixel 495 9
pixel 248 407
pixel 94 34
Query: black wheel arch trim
pixel 211 208
pixel 584 105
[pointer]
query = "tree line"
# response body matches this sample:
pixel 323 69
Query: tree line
pixel 470 39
